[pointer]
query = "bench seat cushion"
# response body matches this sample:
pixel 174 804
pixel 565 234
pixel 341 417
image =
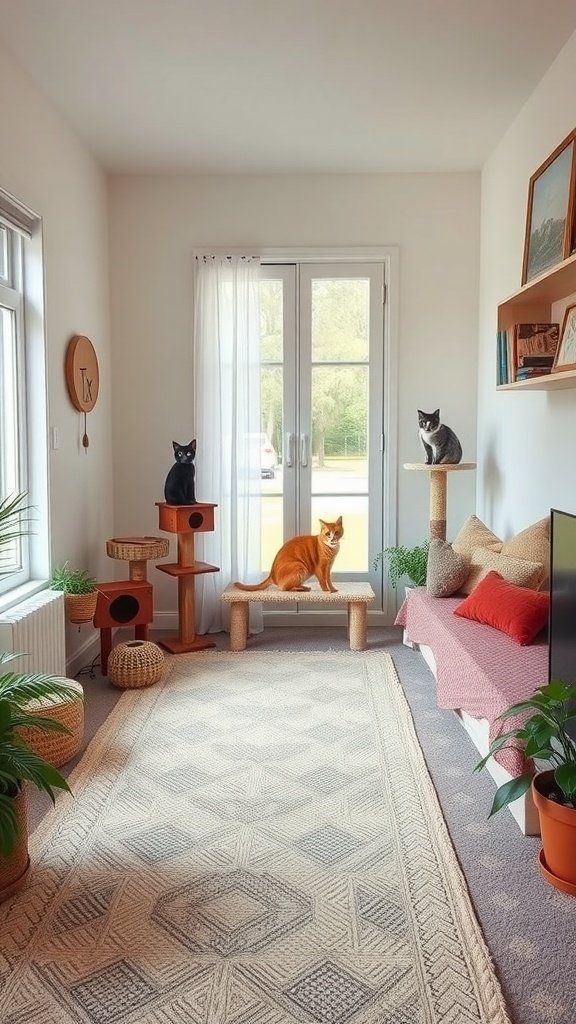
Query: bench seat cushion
pixel 479 669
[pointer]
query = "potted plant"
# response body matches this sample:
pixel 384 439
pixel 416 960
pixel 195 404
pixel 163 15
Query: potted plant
pixel 19 764
pixel 80 593
pixel 545 738
pixel 403 561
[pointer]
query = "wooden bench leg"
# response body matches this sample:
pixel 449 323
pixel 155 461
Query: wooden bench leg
pixel 238 625
pixel 357 622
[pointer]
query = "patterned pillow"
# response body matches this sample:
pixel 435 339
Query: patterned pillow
pixel 474 534
pixel 446 570
pixel 515 570
pixel 532 544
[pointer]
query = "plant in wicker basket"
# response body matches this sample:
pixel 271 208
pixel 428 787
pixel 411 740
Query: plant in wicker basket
pixel 80 592
pixel 19 764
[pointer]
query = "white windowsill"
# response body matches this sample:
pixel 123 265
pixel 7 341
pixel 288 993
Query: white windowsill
pixel 14 597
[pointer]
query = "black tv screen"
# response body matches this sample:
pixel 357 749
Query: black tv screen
pixel 562 623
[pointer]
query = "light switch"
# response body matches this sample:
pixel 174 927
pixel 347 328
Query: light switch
pixel 54 438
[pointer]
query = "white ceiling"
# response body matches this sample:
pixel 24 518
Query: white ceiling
pixel 295 86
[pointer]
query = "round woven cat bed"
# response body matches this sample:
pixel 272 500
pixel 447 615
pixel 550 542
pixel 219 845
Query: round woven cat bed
pixel 135 663
pixel 57 747
pixel 137 551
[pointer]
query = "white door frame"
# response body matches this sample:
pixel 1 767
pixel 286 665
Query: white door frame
pixel 389 256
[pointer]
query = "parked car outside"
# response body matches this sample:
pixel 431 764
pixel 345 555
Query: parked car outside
pixel 268 458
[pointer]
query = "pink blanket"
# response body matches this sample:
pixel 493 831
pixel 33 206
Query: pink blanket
pixel 479 669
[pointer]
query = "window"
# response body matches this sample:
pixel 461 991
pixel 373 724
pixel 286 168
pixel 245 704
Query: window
pixel 23 450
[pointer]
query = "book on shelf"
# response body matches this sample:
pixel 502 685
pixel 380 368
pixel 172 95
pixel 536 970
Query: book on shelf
pixel 527 372
pixel 535 340
pixel 536 361
pixel 525 347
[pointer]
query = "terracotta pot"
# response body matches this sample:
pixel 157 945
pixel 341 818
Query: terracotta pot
pixel 558 831
pixel 80 607
pixel 14 868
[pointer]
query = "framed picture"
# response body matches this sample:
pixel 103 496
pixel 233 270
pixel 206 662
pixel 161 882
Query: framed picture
pixel 550 214
pixel 566 351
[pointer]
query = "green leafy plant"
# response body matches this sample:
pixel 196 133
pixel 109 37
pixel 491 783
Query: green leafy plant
pixel 72 581
pixel 403 561
pixel 13 517
pixel 543 736
pixel 17 762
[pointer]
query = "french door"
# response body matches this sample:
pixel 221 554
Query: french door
pixel 322 408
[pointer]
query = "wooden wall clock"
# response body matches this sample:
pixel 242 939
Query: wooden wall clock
pixel 82 376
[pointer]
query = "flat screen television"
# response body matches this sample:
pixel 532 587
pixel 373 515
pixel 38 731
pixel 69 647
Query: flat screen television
pixel 562 621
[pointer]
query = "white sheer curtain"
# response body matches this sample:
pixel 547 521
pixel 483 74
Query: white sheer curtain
pixel 227 427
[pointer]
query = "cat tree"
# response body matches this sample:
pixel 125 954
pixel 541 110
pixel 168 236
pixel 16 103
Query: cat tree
pixel 438 487
pixel 186 520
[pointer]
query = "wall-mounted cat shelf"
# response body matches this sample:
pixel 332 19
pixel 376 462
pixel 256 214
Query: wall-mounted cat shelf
pixel 438 486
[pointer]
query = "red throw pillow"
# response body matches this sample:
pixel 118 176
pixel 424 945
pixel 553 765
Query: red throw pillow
pixel 517 611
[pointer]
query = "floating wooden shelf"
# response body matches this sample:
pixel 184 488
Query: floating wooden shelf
pixel 533 304
pixel 547 382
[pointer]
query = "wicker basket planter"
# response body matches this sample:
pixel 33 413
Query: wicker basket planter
pixel 134 664
pixel 80 607
pixel 57 747
pixel 14 868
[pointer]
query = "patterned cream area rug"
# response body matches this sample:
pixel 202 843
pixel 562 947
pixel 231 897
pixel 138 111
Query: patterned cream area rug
pixel 254 841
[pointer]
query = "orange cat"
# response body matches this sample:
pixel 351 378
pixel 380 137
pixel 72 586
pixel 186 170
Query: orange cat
pixel 303 557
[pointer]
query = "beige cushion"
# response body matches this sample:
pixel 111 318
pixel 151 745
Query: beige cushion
pixel 516 570
pixel 446 570
pixel 532 544
pixel 474 534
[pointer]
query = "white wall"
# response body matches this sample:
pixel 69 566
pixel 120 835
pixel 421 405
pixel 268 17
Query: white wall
pixel 155 222
pixel 43 164
pixel 525 441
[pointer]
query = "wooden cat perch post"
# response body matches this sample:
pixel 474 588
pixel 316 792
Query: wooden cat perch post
pixel 438 487
pixel 186 520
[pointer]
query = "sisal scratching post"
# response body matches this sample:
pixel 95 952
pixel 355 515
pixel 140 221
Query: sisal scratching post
pixel 438 492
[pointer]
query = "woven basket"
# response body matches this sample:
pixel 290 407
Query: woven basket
pixel 136 548
pixel 57 747
pixel 14 868
pixel 80 607
pixel 134 664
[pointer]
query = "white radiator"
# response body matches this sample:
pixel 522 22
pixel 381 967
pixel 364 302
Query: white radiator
pixel 36 628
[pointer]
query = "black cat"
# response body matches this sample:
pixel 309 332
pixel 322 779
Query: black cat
pixel 179 486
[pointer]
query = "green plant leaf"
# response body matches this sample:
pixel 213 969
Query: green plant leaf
pixel 496 745
pixel 535 703
pixel 24 721
pixel 510 791
pixel 8 825
pixel 565 776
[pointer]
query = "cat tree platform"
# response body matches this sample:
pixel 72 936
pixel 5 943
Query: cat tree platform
pixel 137 551
pixel 438 489
pixel 186 520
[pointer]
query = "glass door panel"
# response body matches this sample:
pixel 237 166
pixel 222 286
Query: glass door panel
pixel 277 358
pixel 321 398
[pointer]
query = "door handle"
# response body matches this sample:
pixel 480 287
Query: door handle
pixel 303 449
pixel 289 458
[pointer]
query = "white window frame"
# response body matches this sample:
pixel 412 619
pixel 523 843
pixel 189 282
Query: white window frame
pixel 23 292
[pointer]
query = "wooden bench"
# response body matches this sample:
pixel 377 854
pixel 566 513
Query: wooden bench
pixel 357 596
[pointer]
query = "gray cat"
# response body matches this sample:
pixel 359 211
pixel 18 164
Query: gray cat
pixel 439 441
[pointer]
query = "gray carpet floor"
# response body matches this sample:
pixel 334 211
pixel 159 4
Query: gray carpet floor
pixel 529 926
